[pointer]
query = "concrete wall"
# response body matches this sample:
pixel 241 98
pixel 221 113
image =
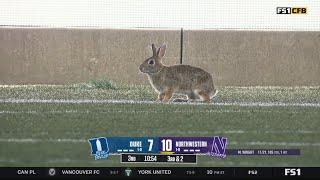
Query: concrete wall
pixel 65 56
pixel 256 58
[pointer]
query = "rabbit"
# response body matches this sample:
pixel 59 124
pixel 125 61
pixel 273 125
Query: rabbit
pixel 193 82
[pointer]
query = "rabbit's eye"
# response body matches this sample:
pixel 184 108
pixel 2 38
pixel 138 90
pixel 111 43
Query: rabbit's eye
pixel 151 62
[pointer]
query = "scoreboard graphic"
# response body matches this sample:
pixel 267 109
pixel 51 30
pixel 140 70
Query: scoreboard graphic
pixel 158 149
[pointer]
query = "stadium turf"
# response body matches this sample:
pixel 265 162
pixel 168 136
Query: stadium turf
pixel 56 134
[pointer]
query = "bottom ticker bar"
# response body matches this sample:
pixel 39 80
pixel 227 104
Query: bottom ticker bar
pixel 202 172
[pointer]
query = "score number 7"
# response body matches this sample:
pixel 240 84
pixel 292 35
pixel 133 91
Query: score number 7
pixel 150 141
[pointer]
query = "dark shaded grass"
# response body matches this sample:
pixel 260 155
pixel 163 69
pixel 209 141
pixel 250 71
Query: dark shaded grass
pixel 84 121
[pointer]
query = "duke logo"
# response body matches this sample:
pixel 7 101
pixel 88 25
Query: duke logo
pixel 99 148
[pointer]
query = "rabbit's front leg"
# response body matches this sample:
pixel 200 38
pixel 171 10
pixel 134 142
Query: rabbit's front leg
pixel 168 95
pixel 160 97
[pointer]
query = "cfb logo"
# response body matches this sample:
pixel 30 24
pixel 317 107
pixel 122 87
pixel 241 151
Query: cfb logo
pixel 291 10
pixel 292 172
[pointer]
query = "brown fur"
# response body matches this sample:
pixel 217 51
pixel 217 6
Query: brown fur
pixel 194 82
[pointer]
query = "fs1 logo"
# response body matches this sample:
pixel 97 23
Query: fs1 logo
pixel 291 10
pixel 292 172
pixel 99 148
pixel 219 146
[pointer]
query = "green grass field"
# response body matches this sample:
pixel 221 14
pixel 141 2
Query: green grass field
pixel 56 134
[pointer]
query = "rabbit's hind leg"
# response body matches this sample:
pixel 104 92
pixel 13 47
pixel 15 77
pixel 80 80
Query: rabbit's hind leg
pixel 204 96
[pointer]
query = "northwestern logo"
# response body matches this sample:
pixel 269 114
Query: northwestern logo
pixel 219 145
pixel 99 148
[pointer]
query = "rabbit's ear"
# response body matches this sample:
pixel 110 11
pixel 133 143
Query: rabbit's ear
pixel 162 50
pixel 154 50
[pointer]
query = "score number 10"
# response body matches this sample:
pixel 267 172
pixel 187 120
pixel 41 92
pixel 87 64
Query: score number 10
pixel 166 145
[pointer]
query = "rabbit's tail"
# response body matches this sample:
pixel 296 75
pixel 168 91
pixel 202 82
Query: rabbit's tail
pixel 215 92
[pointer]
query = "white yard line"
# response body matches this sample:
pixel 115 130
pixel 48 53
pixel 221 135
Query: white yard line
pixel 284 144
pixel 213 162
pixel 248 163
pixel 109 101
pixel 58 160
pixel 32 140
pixel 254 132
pixel 106 111
pixel 250 143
